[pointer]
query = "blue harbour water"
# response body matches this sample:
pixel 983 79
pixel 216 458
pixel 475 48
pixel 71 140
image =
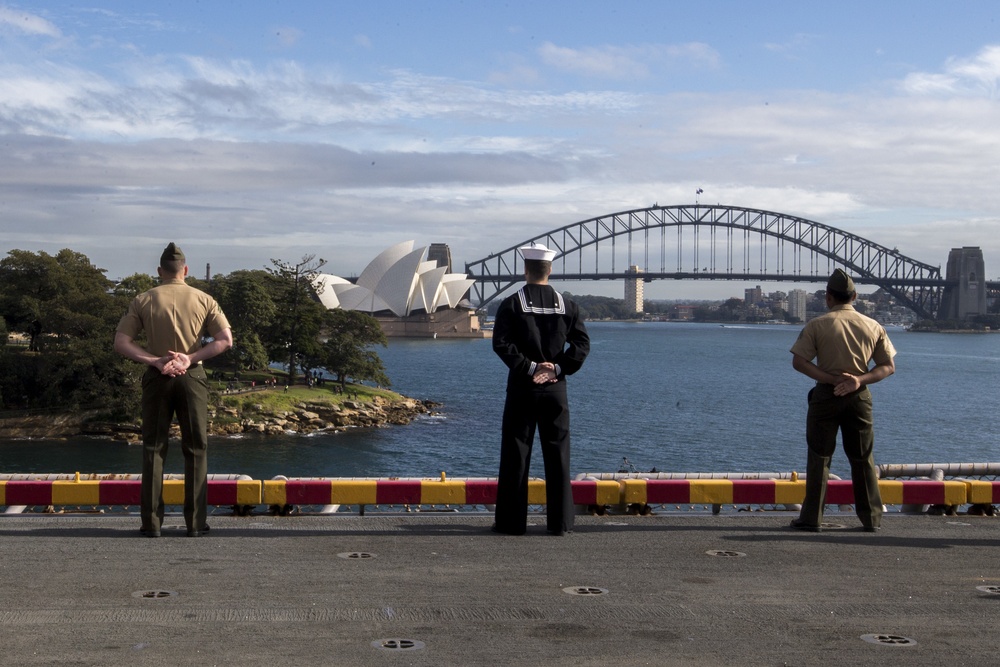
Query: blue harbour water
pixel 677 397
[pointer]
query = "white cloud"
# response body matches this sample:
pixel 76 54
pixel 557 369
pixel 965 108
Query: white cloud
pixel 196 97
pixel 975 76
pixel 793 47
pixel 30 24
pixel 253 160
pixel 626 62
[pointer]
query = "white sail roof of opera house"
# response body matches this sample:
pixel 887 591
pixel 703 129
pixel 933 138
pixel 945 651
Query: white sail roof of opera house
pixel 399 280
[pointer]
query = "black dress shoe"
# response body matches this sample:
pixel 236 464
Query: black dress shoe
pixel 799 524
pixel 871 529
pixel 199 533
pixel 149 533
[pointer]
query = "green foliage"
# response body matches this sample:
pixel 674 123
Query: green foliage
pixel 987 322
pixel 293 333
pixel 247 299
pixel 134 285
pixel 346 351
pixel 64 305
pixel 601 307
pixel 68 310
pixel 731 310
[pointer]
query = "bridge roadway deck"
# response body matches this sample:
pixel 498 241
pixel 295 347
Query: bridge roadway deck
pixel 268 590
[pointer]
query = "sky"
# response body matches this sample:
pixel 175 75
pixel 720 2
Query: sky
pixel 249 131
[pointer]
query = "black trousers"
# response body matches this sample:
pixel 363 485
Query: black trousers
pixel 546 409
pixel 852 416
pixel 163 397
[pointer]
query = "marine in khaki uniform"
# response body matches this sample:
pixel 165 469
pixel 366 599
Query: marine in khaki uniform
pixel 175 318
pixel 844 344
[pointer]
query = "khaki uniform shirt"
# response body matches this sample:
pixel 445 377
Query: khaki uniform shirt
pixel 175 317
pixel 844 341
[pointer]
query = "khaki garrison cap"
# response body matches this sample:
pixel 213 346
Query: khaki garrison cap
pixel 172 254
pixel 840 282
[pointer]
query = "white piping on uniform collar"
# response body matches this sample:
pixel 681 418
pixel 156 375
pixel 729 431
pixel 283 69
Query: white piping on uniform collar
pixel 560 308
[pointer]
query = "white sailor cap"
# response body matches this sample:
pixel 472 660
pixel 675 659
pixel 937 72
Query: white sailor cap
pixel 537 251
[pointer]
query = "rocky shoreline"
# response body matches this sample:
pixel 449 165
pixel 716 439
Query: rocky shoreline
pixel 306 417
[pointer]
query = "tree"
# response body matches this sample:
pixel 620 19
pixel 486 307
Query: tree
pixel 346 353
pixel 64 304
pixel 27 283
pixel 294 331
pixel 246 299
pixel 134 285
pixel 55 297
pixel 731 311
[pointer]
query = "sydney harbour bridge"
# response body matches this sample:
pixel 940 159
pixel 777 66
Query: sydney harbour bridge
pixel 715 242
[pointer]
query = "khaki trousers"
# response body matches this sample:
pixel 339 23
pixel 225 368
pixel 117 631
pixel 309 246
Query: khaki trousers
pixel 185 396
pixel 852 417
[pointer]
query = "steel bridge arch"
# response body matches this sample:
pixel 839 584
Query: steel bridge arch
pixel 915 284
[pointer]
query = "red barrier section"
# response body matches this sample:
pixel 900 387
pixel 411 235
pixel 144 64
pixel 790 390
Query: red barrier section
pixel 121 492
pixel 481 492
pixel 584 492
pixel 223 492
pixel 397 492
pixel 839 492
pixel 752 491
pixel 29 493
pixel 919 492
pixel 668 491
pixel 308 492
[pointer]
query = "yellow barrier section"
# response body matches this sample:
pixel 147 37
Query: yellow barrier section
pixel 354 492
pixel 711 491
pixel 536 491
pixel 66 492
pixel 248 492
pixel 787 492
pixel 173 492
pixel 979 492
pixel 435 492
pixel 891 491
pixel 633 491
pixel 274 492
pixel 608 492
pixel 3 493
pixel 957 493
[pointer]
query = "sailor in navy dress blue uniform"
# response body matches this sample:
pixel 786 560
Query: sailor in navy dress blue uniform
pixel 541 338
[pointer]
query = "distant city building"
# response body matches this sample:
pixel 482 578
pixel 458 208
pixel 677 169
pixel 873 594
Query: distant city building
pixel 753 296
pixel 797 301
pixel 633 291
pixel 683 312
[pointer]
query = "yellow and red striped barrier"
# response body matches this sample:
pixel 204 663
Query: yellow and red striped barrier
pixel 781 492
pixel 982 492
pixel 121 492
pixel 341 491
pixel 421 492
pixel 916 492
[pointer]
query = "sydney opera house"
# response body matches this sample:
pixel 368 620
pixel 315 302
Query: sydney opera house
pixel 410 291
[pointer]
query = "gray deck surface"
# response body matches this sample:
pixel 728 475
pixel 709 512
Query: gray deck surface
pixel 268 590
